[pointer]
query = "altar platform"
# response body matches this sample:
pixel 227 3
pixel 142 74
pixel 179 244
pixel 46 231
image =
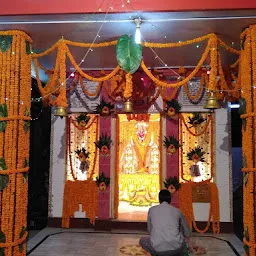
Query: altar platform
pixel 72 242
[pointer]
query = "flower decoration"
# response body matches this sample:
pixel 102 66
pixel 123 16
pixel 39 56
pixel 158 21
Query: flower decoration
pixel 171 144
pixel 104 108
pixel 82 154
pixel 196 154
pixel 103 144
pixel 196 119
pixel 102 182
pixel 3 113
pixel 173 107
pixel 83 119
pixel 172 184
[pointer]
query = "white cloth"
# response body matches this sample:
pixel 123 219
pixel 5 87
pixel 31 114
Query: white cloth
pixel 167 227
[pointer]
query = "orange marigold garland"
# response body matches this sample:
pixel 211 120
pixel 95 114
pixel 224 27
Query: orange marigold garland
pixel 248 78
pixel 15 76
pixel 80 192
pixel 186 206
pixel 128 87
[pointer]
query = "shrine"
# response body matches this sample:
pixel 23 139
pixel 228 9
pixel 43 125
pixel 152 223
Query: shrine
pixel 127 110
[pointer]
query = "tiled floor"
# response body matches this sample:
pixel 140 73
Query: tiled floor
pixel 72 243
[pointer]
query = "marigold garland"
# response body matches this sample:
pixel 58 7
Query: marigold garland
pixel 248 77
pixel 186 206
pixel 80 192
pixel 186 79
pixel 204 129
pixel 203 81
pixel 79 70
pixel 70 120
pixel 15 83
pixel 128 87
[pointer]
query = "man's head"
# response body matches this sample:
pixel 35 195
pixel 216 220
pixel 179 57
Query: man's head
pixel 165 196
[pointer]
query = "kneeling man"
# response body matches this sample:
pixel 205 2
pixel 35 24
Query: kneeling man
pixel 167 228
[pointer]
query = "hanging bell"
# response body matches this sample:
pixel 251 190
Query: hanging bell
pixel 61 112
pixel 128 108
pixel 212 102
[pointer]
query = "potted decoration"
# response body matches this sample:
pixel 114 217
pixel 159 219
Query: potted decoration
pixel 83 119
pixel 172 109
pixel 196 155
pixel 196 119
pixel 172 184
pixel 83 157
pixel 104 108
pixel 102 182
pixel 171 144
pixel 103 144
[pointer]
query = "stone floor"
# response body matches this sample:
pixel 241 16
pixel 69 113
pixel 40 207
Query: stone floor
pixel 72 242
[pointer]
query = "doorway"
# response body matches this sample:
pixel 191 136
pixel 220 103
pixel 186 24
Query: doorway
pixel 138 164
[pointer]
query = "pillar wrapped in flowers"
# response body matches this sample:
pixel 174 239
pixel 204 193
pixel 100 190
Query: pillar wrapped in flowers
pixel 247 111
pixel 15 83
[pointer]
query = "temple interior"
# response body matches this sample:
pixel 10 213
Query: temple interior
pixel 105 103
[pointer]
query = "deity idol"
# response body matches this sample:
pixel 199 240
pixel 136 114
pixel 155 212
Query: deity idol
pixel 129 160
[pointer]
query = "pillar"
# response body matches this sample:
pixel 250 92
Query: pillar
pixel 15 93
pixel 172 161
pixel 248 83
pixel 104 166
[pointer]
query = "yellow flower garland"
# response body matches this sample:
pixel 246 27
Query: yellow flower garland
pixel 128 87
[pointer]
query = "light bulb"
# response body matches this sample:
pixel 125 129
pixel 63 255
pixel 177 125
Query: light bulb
pixel 137 33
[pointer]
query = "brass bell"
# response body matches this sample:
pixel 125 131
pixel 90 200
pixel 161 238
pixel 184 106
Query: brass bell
pixel 128 107
pixel 212 102
pixel 61 112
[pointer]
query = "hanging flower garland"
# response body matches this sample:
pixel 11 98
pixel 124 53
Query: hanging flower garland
pixel 70 120
pixel 196 119
pixel 128 86
pixel 209 120
pixel 203 81
pixel 186 206
pixel 80 192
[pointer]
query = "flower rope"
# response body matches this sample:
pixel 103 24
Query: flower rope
pixel 99 79
pixel 74 122
pixel 204 129
pixel 86 92
pixel 185 80
pixel 203 81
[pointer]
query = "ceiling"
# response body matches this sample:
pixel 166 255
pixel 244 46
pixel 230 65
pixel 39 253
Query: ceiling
pixel 45 30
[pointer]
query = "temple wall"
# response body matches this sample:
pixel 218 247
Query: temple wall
pixel 201 210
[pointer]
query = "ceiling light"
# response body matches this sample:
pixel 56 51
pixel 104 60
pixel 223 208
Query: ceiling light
pixel 137 33
pixel 234 105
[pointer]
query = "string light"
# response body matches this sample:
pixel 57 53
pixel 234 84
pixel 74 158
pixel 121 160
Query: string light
pixel 197 46
pixel 90 49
